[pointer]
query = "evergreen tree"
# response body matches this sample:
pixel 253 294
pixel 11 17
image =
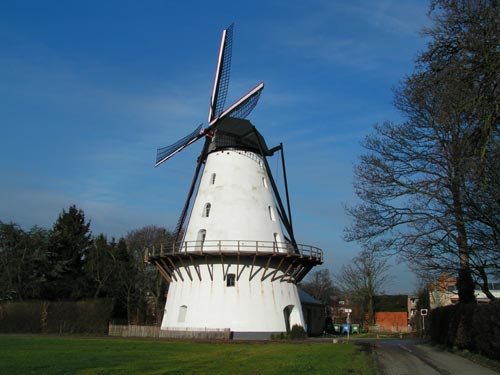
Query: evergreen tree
pixel 70 242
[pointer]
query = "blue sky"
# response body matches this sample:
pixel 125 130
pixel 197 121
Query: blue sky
pixel 90 89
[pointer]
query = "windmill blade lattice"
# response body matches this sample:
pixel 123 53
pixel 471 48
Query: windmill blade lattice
pixel 221 82
pixel 243 109
pixel 165 153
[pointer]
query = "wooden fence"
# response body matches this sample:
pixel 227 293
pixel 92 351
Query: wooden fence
pixel 133 331
pixel 156 332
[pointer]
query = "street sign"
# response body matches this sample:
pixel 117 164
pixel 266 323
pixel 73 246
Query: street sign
pixel 423 312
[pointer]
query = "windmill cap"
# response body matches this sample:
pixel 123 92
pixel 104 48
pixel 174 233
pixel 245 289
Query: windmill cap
pixel 240 134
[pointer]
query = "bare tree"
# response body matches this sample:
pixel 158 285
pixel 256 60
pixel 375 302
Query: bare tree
pixel 364 278
pixel 23 262
pixel 417 178
pixel 319 284
pixel 149 286
pixel 100 266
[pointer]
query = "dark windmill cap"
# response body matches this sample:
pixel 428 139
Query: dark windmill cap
pixel 240 134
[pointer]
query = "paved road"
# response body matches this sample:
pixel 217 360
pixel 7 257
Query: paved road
pixel 412 357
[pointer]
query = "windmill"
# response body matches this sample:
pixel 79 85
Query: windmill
pixel 235 265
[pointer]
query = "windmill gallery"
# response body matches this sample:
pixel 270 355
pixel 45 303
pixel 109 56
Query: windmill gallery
pixel 235 265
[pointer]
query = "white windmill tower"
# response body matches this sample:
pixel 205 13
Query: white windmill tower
pixel 235 266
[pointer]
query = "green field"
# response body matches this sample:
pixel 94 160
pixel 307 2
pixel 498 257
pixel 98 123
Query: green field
pixel 24 354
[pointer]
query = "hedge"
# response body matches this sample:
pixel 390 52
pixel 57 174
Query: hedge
pixel 90 316
pixel 21 317
pixel 468 326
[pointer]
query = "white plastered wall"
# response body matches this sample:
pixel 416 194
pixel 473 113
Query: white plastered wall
pixel 240 197
pixel 242 208
pixel 249 306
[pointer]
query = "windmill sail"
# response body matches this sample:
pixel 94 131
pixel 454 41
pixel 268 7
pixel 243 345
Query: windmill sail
pixel 165 153
pixel 242 107
pixel 221 81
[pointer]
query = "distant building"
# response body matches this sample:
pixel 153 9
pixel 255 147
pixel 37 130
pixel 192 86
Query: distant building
pixel 444 292
pixel 394 321
pixel 314 313
pixel 392 313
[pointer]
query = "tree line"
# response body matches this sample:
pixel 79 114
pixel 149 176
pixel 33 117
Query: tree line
pixel 66 262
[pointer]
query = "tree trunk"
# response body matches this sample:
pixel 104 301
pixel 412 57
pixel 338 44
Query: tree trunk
pixel 465 284
pixel 371 314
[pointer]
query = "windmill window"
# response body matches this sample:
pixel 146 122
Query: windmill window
pixel 230 279
pixel 202 234
pixel 206 210
pixel 182 314
pixel 212 179
pixel 264 182
pixel 271 213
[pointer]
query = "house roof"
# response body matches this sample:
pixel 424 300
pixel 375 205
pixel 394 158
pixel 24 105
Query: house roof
pixel 306 298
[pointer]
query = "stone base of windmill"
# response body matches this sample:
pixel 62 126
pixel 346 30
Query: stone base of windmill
pixel 197 334
pixel 215 334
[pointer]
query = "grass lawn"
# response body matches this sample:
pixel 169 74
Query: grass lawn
pixel 25 354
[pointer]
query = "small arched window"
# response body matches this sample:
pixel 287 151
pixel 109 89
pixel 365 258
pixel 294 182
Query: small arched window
pixel 182 314
pixel 230 279
pixel 271 213
pixel 212 179
pixel 264 182
pixel 206 210
pixel 202 234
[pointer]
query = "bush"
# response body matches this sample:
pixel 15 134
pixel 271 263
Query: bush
pixel 438 325
pixel 467 326
pixel 297 333
pixel 487 329
pixel 465 335
pixel 279 336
